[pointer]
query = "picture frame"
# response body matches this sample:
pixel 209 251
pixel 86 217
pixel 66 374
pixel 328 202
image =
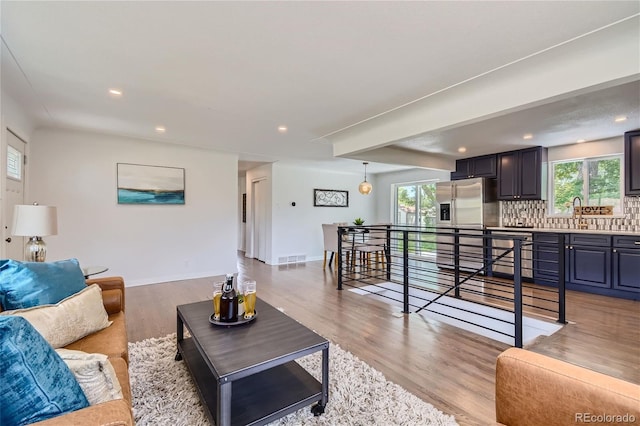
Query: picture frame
pixel 155 185
pixel 330 198
pixel 244 208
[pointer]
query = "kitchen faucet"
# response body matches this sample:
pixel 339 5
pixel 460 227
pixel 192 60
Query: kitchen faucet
pixel 581 223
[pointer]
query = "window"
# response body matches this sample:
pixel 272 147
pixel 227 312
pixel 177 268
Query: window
pixel 422 195
pixel 597 181
pixel 14 163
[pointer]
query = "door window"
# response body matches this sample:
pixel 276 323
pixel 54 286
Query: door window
pixel 14 163
pixel 415 205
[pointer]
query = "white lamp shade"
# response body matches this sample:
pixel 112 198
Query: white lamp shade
pixel 35 221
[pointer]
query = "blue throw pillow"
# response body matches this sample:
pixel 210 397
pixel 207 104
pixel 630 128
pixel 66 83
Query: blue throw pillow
pixel 36 383
pixel 27 284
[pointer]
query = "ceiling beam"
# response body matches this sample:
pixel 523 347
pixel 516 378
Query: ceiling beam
pixel 606 57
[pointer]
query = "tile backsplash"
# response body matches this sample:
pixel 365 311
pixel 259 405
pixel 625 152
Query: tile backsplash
pixel 534 213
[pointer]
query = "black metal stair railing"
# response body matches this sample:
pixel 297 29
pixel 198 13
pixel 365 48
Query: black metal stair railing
pixel 445 263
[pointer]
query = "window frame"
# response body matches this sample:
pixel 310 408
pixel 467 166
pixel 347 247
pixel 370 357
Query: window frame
pixel 618 212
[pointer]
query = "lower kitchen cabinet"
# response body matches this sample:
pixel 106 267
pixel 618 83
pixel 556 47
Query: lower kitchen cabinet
pixel 589 260
pixel 626 263
pixel 626 269
pixel 545 258
pixel 594 263
pixel 590 266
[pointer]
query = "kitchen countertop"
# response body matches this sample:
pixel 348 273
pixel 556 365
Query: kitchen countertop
pixel 562 230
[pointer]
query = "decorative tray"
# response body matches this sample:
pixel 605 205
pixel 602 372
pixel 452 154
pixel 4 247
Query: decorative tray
pixel 241 320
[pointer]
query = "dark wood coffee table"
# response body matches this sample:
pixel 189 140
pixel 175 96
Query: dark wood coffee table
pixel 246 374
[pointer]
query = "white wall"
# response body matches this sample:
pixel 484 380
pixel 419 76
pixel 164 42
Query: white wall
pixel 76 171
pixel 13 118
pixel 242 226
pixel 385 197
pixel 599 148
pixel 296 230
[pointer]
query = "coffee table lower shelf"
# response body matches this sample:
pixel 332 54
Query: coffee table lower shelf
pixel 256 399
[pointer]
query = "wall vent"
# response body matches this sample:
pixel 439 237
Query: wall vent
pixel 294 258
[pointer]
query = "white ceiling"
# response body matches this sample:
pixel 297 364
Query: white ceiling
pixel 225 75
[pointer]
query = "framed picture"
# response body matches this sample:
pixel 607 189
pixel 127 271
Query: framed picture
pixel 244 208
pixel 140 184
pixel 330 198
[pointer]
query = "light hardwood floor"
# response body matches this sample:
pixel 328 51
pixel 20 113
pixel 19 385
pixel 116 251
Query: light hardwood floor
pixel 450 368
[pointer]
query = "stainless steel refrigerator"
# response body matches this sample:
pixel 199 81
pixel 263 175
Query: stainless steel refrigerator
pixel 470 204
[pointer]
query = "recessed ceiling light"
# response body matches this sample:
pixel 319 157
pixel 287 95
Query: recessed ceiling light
pixel 527 136
pixel 580 141
pixel 462 149
pixel 282 129
pixel 160 129
pixel 115 92
pixel 620 119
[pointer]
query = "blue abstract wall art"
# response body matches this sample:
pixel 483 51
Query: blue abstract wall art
pixel 140 184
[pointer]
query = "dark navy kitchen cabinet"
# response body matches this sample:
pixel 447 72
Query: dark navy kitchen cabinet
pixel 594 263
pixel 590 260
pixel 590 266
pixel 508 175
pixel 632 162
pixel 483 166
pixel 545 258
pixel 626 263
pixel 522 174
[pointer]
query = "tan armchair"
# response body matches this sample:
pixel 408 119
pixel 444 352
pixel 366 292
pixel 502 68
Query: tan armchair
pixel 533 389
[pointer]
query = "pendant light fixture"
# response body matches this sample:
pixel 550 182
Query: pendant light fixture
pixel 365 187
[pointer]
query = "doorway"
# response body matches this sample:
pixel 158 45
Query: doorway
pixel 14 194
pixel 415 206
pixel 259 225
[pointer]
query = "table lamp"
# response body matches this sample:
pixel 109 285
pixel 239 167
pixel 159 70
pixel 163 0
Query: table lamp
pixel 35 221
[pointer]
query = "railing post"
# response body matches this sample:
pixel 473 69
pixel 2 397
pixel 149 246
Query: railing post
pixel 561 283
pixel 339 254
pixel 456 263
pixel 405 271
pixel 517 291
pixel 387 253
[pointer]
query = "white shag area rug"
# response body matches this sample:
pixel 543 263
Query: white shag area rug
pixel 163 393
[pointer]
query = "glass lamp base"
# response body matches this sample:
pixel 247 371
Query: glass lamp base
pixel 35 250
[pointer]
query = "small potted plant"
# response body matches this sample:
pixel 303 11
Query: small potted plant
pixel 358 221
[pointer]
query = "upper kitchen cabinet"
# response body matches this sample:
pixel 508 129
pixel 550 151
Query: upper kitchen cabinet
pixel 522 174
pixel 632 163
pixel 483 166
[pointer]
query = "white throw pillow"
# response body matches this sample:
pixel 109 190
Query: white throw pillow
pixel 70 319
pixel 94 373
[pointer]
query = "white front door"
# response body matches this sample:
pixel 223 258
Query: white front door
pixel 13 246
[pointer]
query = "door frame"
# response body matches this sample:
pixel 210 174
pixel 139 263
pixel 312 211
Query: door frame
pixel 259 224
pixel 5 214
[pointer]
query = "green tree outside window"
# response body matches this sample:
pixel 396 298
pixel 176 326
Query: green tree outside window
pixel 595 180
